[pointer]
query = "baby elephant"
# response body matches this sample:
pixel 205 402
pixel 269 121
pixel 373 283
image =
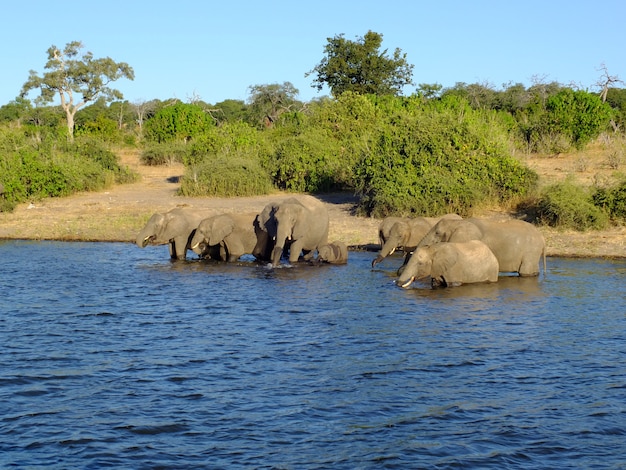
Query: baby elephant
pixel 451 264
pixel 333 253
pixel 230 235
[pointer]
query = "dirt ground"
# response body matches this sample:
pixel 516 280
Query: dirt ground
pixel 117 214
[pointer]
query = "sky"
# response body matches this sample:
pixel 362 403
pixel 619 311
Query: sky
pixel 216 51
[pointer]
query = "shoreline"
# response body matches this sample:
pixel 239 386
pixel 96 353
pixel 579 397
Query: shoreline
pixel 118 213
pixel 103 217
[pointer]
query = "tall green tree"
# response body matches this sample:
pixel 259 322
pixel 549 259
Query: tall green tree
pixel 361 67
pixel 578 115
pixel 77 79
pixel 180 121
pixel 268 102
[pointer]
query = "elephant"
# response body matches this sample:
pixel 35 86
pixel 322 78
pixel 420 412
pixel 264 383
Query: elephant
pixel 233 233
pixel 517 245
pixel 333 253
pixel 451 264
pixel 175 227
pixel 404 233
pixel 294 225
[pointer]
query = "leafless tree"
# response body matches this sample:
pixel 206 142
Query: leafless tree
pixel 606 81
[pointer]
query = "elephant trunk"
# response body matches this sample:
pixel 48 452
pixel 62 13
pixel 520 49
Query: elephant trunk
pixel 144 240
pixel 405 283
pixel 387 249
pixel 283 238
pixel 196 241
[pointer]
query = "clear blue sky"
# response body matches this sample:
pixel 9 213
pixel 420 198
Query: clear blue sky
pixel 217 50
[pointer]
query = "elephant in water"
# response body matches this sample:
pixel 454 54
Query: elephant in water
pixel 175 227
pixel 233 233
pixel 333 253
pixel 451 264
pixel 404 233
pixel 517 245
pixel 298 225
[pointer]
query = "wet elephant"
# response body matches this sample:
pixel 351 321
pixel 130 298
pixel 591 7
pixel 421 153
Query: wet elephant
pixel 298 225
pixel 517 245
pixel 234 233
pixel 175 228
pixel 451 264
pixel 404 233
pixel 333 253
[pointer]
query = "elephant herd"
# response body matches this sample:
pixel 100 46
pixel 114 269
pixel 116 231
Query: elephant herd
pixel 293 227
pixel 448 250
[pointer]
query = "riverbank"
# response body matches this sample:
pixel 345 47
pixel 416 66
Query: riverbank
pixel 120 212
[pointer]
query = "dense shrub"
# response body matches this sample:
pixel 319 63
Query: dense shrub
pixel 33 169
pixel 101 127
pixel 578 115
pixel 155 154
pixel 180 121
pixel 567 205
pixel 226 177
pixel 307 163
pixel 435 158
pixel 229 139
pixel 318 150
pixel 612 200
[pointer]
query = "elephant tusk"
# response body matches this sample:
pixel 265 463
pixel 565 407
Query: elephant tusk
pixel 408 283
pixel 195 246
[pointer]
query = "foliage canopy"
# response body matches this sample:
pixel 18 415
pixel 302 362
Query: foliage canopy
pixel 77 80
pixel 359 66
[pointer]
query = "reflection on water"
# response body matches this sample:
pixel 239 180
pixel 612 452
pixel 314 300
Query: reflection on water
pixel 115 356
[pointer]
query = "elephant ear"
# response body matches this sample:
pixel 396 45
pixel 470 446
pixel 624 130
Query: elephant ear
pixel 465 231
pixel 169 225
pixel 301 224
pixel 399 233
pixel 445 258
pixel 222 227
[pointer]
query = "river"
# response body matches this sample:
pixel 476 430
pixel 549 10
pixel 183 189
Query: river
pixel 116 357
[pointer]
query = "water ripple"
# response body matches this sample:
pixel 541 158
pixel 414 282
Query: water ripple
pixel 128 360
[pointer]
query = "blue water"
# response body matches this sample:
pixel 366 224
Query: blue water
pixel 116 357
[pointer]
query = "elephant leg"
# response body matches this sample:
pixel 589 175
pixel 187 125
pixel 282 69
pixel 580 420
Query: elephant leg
pixel 180 245
pixel 172 247
pixel 407 257
pixel 528 270
pixel 294 251
pixel 308 254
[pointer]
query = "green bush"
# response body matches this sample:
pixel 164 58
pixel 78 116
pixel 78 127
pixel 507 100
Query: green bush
pixel 180 121
pixel 32 169
pixel 155 154
pixel 226 177
pixel 579 115
pixel 309 162
pixel 438 157
pixel 612 200
pixel 567 205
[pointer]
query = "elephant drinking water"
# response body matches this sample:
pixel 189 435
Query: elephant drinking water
pixel 297 225
pixel 174 228
pixel 234 233
pixel 404 233
pixel 517 245
pixel 451 264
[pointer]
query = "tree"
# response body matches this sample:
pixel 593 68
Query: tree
pixel 578 115
pixel 268 102
pixel 180 121
pixel 360 67
pixel 606 81
pixel 15 110
pixel 77 79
